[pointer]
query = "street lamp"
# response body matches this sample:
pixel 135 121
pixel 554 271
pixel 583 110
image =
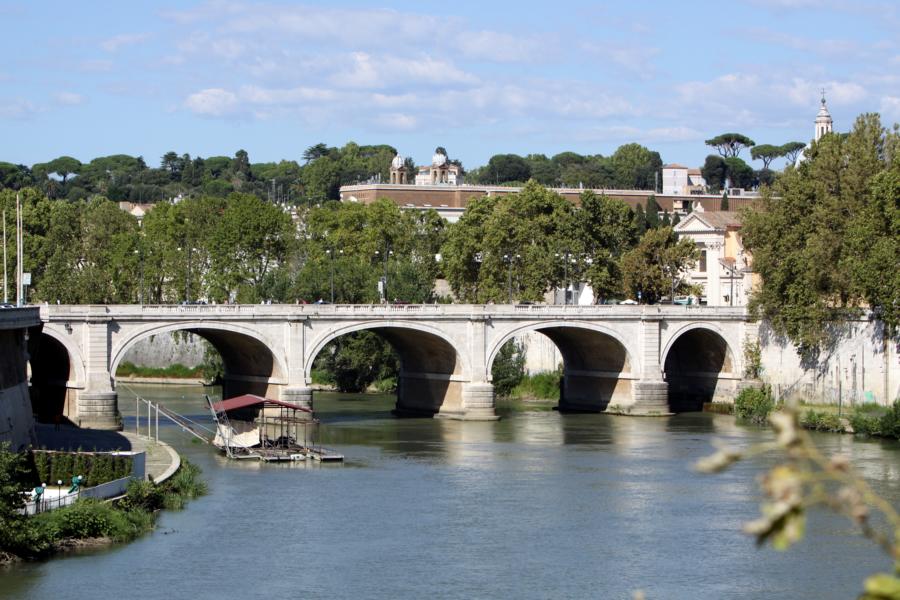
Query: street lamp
pixel 509 261
pixel 384 279
pixel 566 256
pixel 330 254
pixel 140 253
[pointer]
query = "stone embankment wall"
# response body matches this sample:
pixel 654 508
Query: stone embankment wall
pixel 160 351
pixel 16 421
pixel 862 366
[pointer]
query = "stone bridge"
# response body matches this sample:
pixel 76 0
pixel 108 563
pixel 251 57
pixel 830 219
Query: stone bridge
pixel 634 359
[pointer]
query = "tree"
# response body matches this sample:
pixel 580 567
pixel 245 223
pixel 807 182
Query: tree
pixel 508 368
pixel 63 166
pixel 723 205
pixel 508 167
pixel 15 176
pixel 315 151
pixel 607 229
pixel 740 173
pixel 652 212
pixel 356 360
pixel 823 236
pixel 636 167
pixel 653 268
pixel 715 172
pixel 172 163
pixel 791 151
pixel 766 153
pixel 241 164
pixel 509 241
pixel 730 144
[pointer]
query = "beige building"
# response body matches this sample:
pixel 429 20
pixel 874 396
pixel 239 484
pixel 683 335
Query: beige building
pixel 724 270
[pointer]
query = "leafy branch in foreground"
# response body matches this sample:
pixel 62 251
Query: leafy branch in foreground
pixel 807 478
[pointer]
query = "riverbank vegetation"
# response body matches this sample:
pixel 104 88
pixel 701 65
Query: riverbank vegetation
pixel 175 371
pixel 87 522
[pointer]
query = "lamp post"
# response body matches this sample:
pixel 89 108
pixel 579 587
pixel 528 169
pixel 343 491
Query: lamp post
pixel 384 279
pixel 509 261
pixel 330 254
pixel 566 256
pixel 140 253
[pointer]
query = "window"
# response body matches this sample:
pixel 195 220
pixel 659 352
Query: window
pixel 703 261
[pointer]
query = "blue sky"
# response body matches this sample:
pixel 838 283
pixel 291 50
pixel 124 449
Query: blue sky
pixel 480 78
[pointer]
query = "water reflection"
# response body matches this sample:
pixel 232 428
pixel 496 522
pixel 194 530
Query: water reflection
pixel 536 505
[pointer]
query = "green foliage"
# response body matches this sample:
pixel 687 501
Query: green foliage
pixel 823 237
pixel 730 144
pixel 754 404
pixel 356 360
pixel 875 421
pixel 651 268
pixel 821 421
pixel 752 359
pixel 766 153
pixel 715 172
pixel 723 205
pixel 791 151
pixel 175 371
pixel 540 386
pixel 184 486
pixel 508 368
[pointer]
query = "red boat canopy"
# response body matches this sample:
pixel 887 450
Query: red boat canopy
pixel 254 400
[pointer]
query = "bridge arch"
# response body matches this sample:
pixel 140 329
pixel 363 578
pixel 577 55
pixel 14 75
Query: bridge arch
pixel 699 365
pixel 432 367
pixel 57 370
pixel 253 365
pixel 598 363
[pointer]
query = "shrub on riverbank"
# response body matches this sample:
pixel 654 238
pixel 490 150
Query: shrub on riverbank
pixel 176 371
pixel 821 421
pixel 754 404
pixel 540 386
pixel 866 420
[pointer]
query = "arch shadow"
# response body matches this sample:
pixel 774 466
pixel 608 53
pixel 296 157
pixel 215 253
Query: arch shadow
pixel 53 370
pixel 431 369
pixel 597 364
pixel 697 359
pixel 250 365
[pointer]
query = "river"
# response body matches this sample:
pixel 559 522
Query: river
pixel 536 505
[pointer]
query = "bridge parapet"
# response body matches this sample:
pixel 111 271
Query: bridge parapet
pixel 614 352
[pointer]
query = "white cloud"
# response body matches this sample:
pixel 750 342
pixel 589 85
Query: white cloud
pixel 213 102
pixel 367 72
pixel 890 109
pixel 633 59
pixel 17 108
pixel 116 42
pixel 68 98
pixel 501 47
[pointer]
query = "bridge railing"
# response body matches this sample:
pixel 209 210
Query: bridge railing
pixel 291 311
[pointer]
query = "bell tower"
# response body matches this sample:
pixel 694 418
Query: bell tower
pixel 823 120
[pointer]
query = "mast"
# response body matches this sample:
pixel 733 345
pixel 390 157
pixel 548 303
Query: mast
pixel 19 269
pixel 5 283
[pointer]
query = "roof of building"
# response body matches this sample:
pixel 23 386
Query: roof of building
pixel 674 166
pixel 715 220
pixel 694 172
pixel 253 400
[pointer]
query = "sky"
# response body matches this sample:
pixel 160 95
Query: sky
pixel 89 79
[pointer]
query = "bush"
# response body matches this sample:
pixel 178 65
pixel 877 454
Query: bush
pixel 822 421
pixel 142 495
pixel 183 486
pixel 542 386
pixel 96 468
pixel 866 421
pixel 508 368
pixel 754 404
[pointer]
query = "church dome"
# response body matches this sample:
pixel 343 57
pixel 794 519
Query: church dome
pixel 397 163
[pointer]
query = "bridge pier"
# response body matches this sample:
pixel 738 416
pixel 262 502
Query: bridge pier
pixel 650 398
pixel 300 395
pixel 99 410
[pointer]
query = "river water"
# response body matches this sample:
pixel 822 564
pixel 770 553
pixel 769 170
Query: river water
pixel 536 505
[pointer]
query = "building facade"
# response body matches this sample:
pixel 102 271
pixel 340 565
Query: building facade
pixel 724 271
